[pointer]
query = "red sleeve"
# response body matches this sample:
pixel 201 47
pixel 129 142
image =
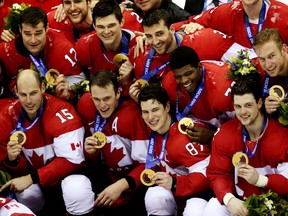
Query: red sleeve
pixel 132 21
pixel 220 170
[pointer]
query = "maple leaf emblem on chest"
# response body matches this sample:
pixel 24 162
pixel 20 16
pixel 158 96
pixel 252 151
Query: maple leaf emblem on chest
pixel 36 160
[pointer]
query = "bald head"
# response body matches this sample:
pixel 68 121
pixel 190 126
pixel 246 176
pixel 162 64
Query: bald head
pixel 28 75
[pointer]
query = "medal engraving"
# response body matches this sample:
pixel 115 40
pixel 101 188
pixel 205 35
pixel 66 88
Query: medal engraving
pixel 101 139
pixel 184 123
pixel 239 158
pixel 119 59
pixel 18 136
pixel 146 177
pixel 51 76
pixel 277 91
pixel 142 83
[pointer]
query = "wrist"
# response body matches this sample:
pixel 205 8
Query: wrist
pixel 131 182
pixel 262 181
pixel 227 198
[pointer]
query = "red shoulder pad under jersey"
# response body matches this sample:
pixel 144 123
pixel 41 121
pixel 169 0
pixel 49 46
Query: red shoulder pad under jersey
pixel 132 21
pixel 218 42
pixel 60 54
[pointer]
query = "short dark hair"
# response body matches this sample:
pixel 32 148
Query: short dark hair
pixel 33 16
pixel 183 56
pixel 154 92
pixel 105 8
pixel 244 86
pixel 103 78
pixel 155 16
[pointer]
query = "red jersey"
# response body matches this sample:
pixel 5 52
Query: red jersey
pixel 215 104
pixel 127 138
pixel 229 19
pixel 132 21
pixel 270 159
pixel 67 28
pixel 10 207
pixel 92 56
pixel 54 144
pixel 223 48
pixel 58 54
pixel 184 159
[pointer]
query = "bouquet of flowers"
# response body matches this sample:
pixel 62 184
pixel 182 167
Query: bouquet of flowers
pixel 4 177
pixel 265 204
pixel 283 113
pixel 241 67
pixel 12 19
pixel 79 89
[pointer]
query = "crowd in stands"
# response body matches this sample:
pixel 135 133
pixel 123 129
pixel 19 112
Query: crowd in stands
pixel 144 107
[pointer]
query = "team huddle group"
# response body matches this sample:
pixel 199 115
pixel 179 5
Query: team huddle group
pixel 162 129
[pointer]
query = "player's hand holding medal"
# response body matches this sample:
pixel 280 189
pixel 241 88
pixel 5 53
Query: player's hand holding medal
pixel 278 92
pixel 184 123
pixel 118 60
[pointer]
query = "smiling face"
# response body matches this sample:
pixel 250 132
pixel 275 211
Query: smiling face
pixel 156 116
pixel 34 38
pixel 160 37
pixel 247 110
pixel 188 77
pixel 29 92
pixel 272 59
pixel 105 99
pixel 77 10
pixel 109 30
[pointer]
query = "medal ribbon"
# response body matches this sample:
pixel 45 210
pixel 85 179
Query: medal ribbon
pixel 260 23
pixel 124 47
pixel 21 120
pixel 193 100
pixel 147 73
pixel 266 88
pixel 150 160
pixel 39 64
pixel 245 135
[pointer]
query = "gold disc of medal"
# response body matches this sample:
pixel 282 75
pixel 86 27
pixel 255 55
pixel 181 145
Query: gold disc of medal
pixel 101 139
pixel 119 59
pixel 184 123
pixel 142 83
pixel 18 136
pixel 51 76
pixel 239 158
pixel 146 177
pixel 277 91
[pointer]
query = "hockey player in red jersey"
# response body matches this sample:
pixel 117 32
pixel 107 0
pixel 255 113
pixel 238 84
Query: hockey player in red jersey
pixel 41 141
pixel 243 19
pixel 116 131
pixel 179 163
pixel 44 49
pixel 263 141
pixel 153 64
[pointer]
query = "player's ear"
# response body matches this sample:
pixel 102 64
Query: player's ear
pixel 43 88
pixel 167 107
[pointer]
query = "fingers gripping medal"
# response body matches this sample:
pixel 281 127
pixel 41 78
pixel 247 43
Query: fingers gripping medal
pixel 18 136
pixel 184 123
pixel 119 59
pixel 277 91
pixel 239 158
pixel 142 83
pixel 101 139
pixel 51 76
pixel 146 177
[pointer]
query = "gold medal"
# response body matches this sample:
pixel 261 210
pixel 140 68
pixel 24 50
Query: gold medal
pixel 142 83
pixel 51 76
pixel 277 91
pixel 18 136
pixel 184 123
pixel 239 158
pixel 119 59
pixel 146 176
pixel 101 139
